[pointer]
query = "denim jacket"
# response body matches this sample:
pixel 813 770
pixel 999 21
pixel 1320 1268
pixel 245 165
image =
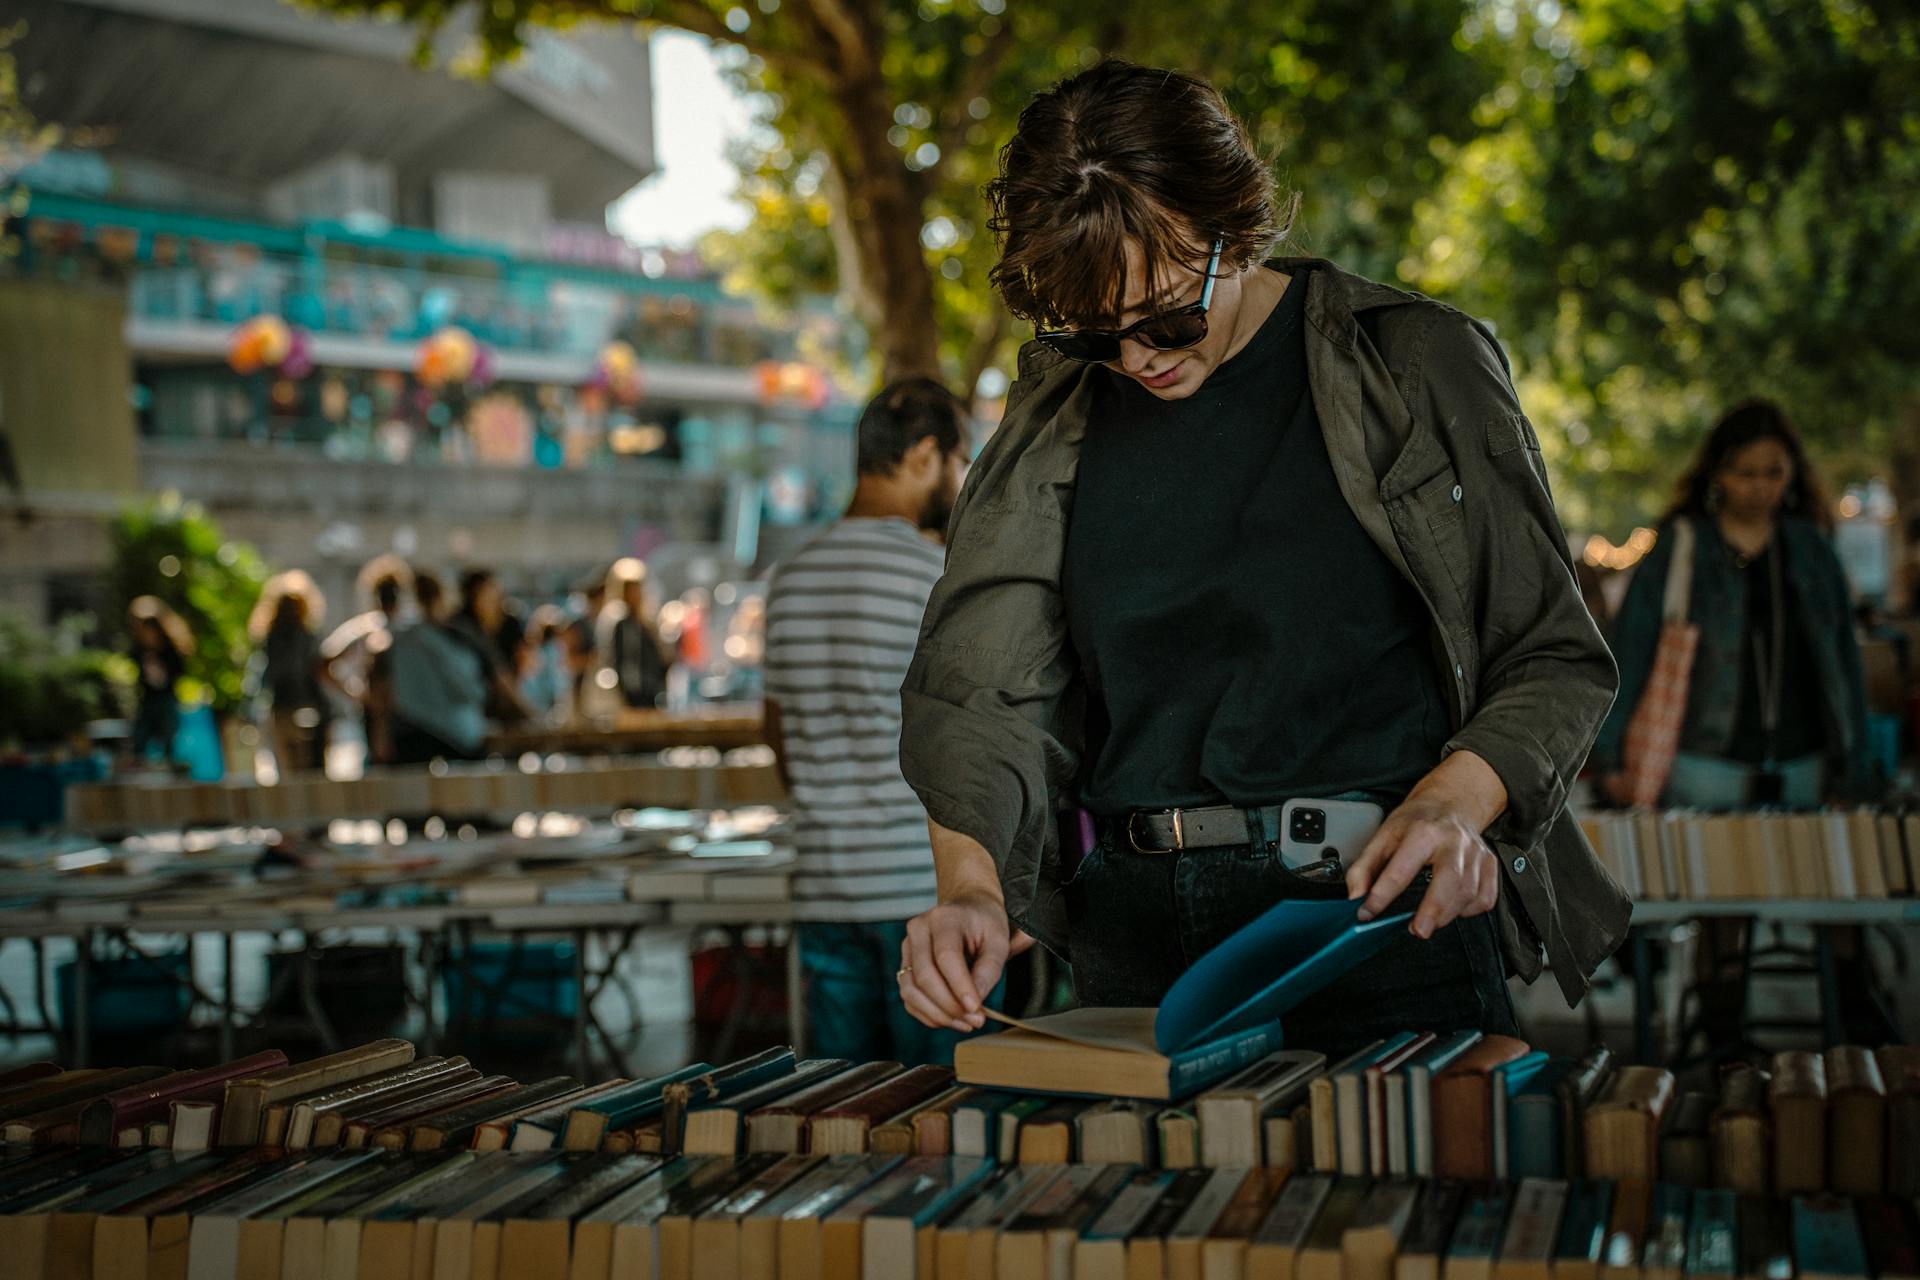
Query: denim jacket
pixel 1718 603
pixel 1443 471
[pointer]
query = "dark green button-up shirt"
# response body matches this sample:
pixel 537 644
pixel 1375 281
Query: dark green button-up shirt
pixel 1441 468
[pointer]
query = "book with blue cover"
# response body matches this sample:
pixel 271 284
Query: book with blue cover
pixel 1504 1083
pixel 1223 1014
pixel 1536 1141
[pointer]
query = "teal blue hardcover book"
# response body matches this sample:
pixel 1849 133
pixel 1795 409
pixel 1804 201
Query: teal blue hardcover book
pixel 623 1108
pixel 1536 1147
pixel 1224 1013
pixel 709 1086
pixel 1267 968
pixel 1826 1237
pixel 639 1100
pixel 1583 1227
pixel 1713 1237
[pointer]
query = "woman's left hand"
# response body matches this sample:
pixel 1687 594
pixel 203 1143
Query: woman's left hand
pixel 1437 827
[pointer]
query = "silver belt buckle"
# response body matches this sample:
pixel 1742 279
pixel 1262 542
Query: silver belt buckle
pixel 1179 833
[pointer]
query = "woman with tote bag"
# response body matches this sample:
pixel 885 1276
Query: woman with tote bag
pixel 1740 677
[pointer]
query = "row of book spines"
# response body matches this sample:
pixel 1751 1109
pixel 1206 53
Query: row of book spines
pixel 1038 1129
pixel 1839 854
pixel 592 783
pixel 616 1217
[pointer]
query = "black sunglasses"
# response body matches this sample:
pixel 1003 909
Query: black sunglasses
pixel 1163 331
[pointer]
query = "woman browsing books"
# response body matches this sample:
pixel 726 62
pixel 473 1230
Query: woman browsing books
pixel 1251 531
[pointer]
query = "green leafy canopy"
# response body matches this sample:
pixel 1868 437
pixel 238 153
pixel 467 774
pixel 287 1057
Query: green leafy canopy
pixel 1662 205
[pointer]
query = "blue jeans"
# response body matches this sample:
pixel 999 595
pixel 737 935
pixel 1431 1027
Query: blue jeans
pixel 1717 785
pixel 853 1000
pixel 1136 921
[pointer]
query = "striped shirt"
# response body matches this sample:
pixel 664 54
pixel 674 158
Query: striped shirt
pixel 843 614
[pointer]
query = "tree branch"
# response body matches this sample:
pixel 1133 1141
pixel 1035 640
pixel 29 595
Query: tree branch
pixel 693 16
pixel 849 31
pixel 956 119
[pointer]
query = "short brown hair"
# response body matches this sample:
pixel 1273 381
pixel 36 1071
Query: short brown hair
pixel 1125 153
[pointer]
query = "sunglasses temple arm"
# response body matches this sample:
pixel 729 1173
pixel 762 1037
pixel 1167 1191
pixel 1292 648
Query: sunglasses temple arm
pixel 1213 265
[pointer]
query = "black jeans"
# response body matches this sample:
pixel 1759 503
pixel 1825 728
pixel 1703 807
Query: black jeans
pixel 1137 920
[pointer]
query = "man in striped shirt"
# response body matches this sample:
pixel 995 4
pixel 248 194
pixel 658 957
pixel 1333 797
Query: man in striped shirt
pixel 843 614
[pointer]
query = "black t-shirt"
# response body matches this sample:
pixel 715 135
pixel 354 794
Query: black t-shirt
pixel 1802 729
pixel 1242 637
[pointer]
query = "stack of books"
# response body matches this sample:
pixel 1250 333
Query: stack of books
pixel 1839 853
pixel 494 790
pixel 80 1214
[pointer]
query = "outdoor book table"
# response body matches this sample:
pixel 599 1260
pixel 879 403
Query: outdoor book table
pixel 436 937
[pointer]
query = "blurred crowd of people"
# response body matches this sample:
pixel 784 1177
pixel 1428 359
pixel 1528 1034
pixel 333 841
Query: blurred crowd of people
pixel 430 665
pixel 430 669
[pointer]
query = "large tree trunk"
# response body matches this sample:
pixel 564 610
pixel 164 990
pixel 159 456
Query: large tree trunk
pixel 884 211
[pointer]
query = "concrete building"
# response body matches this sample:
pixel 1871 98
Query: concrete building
pixel 225 164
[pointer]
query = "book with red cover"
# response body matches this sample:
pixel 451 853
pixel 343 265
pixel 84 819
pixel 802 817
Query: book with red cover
pixel 842 1129
pixel 68 1086
pixel 55 1117
pixel 782 1126
pixel 26 1074
pixel 109 1113
pixel 1463 1110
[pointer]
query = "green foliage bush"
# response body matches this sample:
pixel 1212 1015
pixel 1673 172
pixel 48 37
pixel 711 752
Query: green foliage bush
pixel 173 550
pixel 51 683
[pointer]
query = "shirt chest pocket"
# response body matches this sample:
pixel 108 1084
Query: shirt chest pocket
pixel 1433 527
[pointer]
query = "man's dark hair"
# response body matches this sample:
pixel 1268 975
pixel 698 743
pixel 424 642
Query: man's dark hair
pixel 472 581
pixel 426 590
pixel 905 412
pixel 1125 154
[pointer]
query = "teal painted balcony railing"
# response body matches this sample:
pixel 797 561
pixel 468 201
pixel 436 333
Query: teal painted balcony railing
pixel 401 284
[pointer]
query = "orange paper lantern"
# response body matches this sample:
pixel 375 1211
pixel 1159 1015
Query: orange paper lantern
pixel 446 357
pixel 260 343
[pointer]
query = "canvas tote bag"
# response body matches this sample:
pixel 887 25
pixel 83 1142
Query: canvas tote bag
pixel 1653 734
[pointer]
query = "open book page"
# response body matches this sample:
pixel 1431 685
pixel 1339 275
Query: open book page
pixel 1127 1030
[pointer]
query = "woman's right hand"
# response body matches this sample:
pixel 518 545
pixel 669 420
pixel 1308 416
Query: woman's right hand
pixel 952 958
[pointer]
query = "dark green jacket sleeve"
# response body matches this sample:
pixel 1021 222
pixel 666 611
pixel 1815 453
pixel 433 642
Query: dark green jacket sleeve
pixel 992 706
pixel 1546 679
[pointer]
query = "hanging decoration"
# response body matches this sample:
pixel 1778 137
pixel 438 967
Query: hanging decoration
pixel 791 382
pixel 616 371
pixel 270 343
pixel 445 357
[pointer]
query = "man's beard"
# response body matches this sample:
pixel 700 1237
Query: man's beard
pixel 937 510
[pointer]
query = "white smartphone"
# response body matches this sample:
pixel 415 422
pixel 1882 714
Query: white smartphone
pixel 1315 830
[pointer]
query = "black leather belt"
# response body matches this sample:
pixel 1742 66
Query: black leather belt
pixel 1170 830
